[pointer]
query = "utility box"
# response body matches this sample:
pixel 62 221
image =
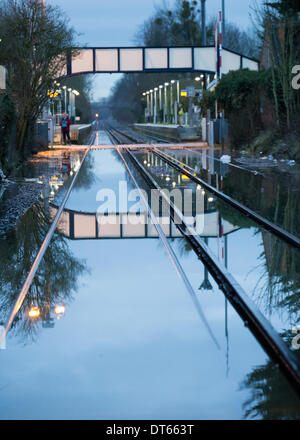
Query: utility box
pixel 41 132
pixel 220 130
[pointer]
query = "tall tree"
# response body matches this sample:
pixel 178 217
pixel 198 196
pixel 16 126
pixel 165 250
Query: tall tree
pixel 35 41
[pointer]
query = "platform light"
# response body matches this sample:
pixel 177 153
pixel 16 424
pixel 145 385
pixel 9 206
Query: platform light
pixel 203 192
pixel 59 310
pixel 173 81
pixel 34 312
pixel 167 179
pixel 166 83
pixel 161 87
pixel 210 199
pixel 197 78
pixel 64 87
pixel 199 187
pixel 155 89
pixel 173 184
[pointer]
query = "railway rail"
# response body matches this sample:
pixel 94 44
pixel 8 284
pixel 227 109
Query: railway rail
pixel 261 328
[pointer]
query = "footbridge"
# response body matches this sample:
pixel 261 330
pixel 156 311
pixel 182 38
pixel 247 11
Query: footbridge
pixel 205 59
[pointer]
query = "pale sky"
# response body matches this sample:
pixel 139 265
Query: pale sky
pixel 115 22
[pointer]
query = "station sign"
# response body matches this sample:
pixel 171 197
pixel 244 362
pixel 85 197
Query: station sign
pixel 191 92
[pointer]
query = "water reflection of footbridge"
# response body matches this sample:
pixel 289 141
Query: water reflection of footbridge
pixel 78 225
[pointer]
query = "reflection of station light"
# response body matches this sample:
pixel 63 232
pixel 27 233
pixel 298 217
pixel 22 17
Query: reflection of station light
pixel 199 187
pixel 148 164
pixel 34 312
pixel 210 199
pixel 203 192
pixel 173 184
pixel 145 162
pixel 167 178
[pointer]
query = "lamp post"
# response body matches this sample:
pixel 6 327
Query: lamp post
pixel 223 21
pixel 75 93
pixel 65 90
pixel 171 100
pixel 70 102
pixel 160 103
pixel 155 104
pixel 148 106
pixel 165 103
pixel 151 104
pixel 144 94
pixel 176 105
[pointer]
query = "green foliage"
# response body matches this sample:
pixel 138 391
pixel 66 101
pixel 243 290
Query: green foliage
pixel 239 92
pixel 208 102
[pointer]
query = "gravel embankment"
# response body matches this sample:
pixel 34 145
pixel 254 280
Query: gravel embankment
pixel 21 198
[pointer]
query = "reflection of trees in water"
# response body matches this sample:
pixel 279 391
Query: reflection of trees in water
pixel 271 396
pixel 279 284
pixel 86 176
pixel 55 280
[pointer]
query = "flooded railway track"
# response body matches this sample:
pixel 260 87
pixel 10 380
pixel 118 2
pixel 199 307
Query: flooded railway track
pixel 252 317
pixel 148 335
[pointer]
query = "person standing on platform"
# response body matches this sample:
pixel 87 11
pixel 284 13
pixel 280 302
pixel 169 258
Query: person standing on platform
pixel 65 128
pixel 180 115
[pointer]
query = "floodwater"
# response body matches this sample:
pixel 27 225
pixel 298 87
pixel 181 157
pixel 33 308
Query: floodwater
pixel 127 341
pixel 272 191
pixel 266 267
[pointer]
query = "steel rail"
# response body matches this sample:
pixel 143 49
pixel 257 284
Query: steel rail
pixel 272 227
pixel 179 269
pixel 39 257
pixel 111 130
pixel 261 328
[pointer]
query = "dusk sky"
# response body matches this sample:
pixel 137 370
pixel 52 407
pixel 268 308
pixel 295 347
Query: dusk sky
pixel 115 22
